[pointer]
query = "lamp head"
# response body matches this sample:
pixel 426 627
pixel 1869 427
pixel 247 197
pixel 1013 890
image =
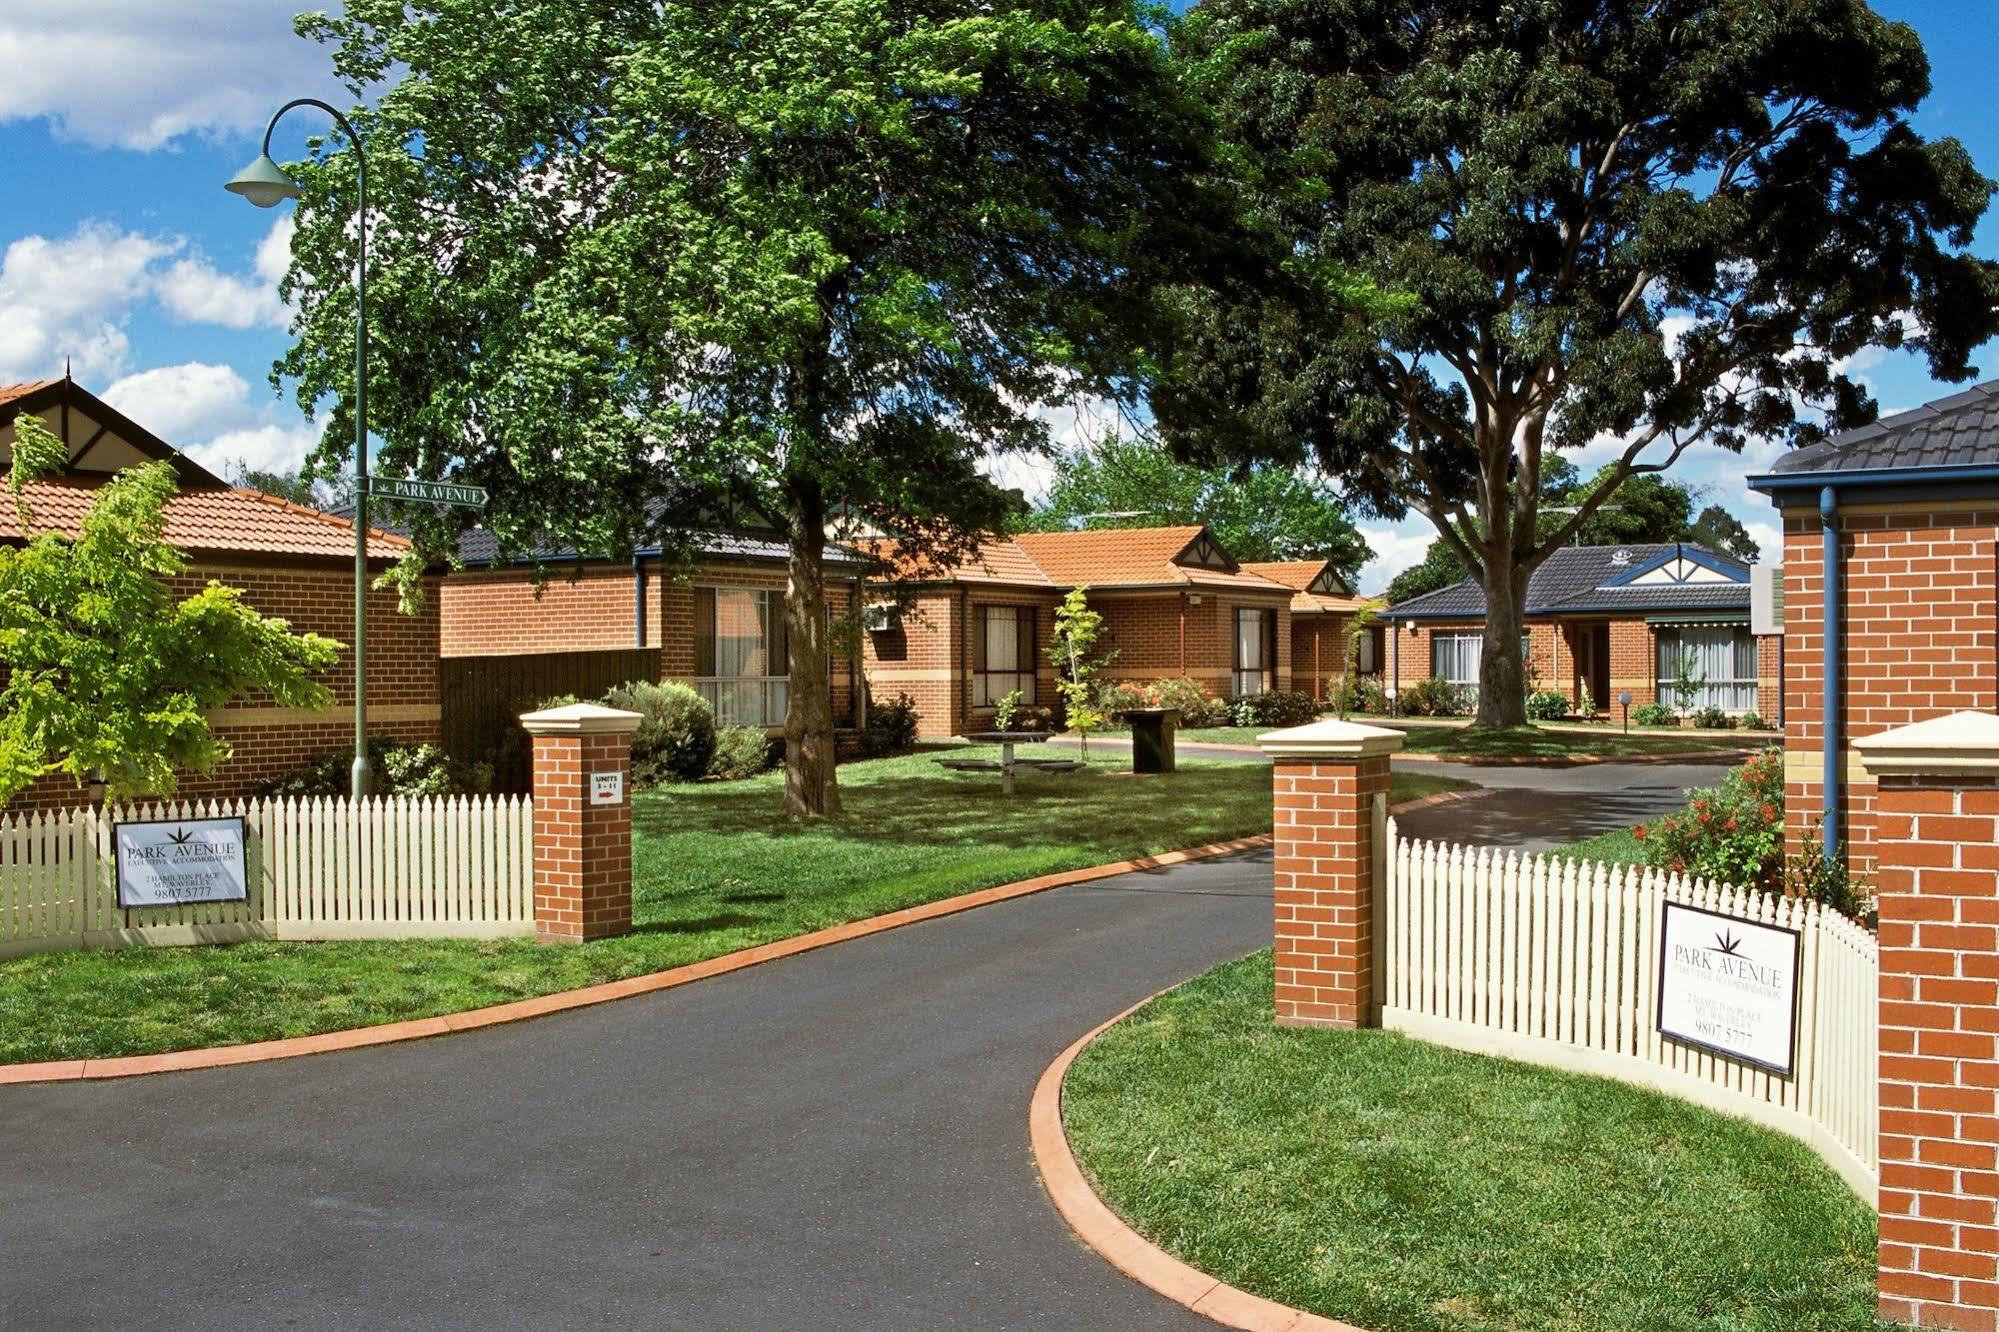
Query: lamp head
pixel 264 183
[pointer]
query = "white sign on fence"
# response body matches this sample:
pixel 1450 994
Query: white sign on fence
pixel 175 861
pixel 607 788
pixel 1729 985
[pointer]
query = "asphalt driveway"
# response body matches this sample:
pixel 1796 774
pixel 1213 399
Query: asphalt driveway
pixel 834 1140
pixel 1533 809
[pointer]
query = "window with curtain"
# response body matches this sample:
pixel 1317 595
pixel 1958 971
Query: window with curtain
pixel 1255 651
pixel 1002 654
pixel 1366 654
pixel 1721 656
pixel 742 661
pixel 1454 657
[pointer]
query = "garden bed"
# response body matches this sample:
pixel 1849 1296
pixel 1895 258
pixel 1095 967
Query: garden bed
pixel 1369 1177
pixel 715 871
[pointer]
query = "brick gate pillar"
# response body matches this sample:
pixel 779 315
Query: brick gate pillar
pixel 1937 872
pixel 582 821
pixel 1324 788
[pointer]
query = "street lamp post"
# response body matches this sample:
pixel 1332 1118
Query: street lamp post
pixel 265 184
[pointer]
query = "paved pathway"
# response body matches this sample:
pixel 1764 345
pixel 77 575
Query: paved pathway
pixel 834 1140
pixel 1534 809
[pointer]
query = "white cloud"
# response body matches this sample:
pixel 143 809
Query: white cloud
pixel 207 411
pixel 271 448
pixel 181 402
pixel 141 73
pixel 1395 549
pixel 70 297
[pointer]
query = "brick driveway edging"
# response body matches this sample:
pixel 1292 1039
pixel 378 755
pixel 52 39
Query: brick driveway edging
pixel 1101 1229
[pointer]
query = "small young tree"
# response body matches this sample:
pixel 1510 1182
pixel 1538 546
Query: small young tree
pixel 107 673
pixel 1366 617
pixel 1077 662
pixel 1688 679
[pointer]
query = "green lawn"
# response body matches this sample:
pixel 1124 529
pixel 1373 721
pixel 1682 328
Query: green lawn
pixel 1398 1185
pixel 714 872
pixel 1618 847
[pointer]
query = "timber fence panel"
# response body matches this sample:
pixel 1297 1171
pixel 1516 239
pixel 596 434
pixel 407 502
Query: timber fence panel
pixel 317 867
pixel 1556 961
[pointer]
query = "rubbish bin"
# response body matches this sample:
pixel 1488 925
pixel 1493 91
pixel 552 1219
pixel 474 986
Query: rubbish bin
pixel 1152 738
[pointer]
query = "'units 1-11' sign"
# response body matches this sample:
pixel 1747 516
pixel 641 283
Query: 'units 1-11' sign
pixel 1729 985
pixel 176 861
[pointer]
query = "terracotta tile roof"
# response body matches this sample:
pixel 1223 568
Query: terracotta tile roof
pixel 1299 575
pixel 1116 558
pixel 9 392
pixel 210 521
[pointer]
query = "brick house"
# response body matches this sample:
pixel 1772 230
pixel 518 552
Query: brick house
pixel 1175 604
pixel 718 626
pixel 1322 606
pixel 1607 619
pixel 1904 513
pixel 290 561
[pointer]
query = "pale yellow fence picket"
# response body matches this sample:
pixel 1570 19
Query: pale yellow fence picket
pixel 1556 962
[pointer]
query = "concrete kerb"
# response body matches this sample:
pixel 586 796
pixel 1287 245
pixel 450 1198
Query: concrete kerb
pixel 1103 1231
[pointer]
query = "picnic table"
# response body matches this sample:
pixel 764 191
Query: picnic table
pixel 1006 763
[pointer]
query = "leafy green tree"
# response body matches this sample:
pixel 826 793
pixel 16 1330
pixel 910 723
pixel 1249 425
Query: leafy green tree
pixel 106 672
pixel 1078 662
pixel 1261 513
pixel 1718 529
pixel 1439 569
pixel 1662 222
pixel 641 270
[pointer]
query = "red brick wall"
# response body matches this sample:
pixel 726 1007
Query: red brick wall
pixel 1919 607
pixel 270 741
pixel 582 851
pixel 488 613
pixel 1323 871
pixel 1938 877
pixel 920 657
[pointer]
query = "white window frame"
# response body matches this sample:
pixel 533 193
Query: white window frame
pixel 1252 674
pixel 738 697
pixel 989 686
pixel 1733 692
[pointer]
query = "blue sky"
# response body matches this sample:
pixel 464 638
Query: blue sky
pixel 120 119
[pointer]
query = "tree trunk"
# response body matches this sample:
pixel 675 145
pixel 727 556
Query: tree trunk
pixel 1502 675
pixel 811 788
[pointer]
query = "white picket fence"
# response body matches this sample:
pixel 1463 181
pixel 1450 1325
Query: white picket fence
pixel 1555 962
pixel 384 868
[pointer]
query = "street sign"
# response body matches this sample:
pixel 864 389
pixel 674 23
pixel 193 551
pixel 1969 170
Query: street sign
pixel 427 492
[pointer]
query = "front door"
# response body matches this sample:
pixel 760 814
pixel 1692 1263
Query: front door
pixel 1592 647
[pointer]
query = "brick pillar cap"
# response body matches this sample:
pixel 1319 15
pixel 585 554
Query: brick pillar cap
pixel 1962 744
pixel 1331 739
pixel 581 719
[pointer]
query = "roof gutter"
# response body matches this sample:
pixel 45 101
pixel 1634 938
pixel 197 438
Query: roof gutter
pixel 1832 741
pixel 1770 482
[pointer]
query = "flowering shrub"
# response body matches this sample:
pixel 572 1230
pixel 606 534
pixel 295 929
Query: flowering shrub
pixel 1195 705
pixel 1432 698
pixel 1361 693
pixel 1732 833
pixel 1547 705
pixel 1277 707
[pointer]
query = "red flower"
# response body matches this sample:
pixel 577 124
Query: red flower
pixel 1639 832
pixel 1768 811
pixel 1729 826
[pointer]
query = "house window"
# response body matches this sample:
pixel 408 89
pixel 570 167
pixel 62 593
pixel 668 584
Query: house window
pixel 1455 657
pixel 1255 651
pixel 742 661
pixel 1365 661
pixel 1003 655
pixel 1722 657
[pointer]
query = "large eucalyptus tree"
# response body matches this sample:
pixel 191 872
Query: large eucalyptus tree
pixel 1656 222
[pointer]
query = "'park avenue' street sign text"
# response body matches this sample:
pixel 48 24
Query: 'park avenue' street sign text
pixel 427 492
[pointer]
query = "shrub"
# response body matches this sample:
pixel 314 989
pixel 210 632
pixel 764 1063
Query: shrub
pixel 1547 705
pixel 740 751
pixel 1005 711
pixel 676 733
pixel 1195 705
pixel 1822 876
pixel 891 727
pixel 1279 707
pixel 1586 704
pixel 1362 693
pixel 1654 714
pixel 399 770
pixel 1432 698
pixel 1732 833
pixel 1752 721
pixel 1711 719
